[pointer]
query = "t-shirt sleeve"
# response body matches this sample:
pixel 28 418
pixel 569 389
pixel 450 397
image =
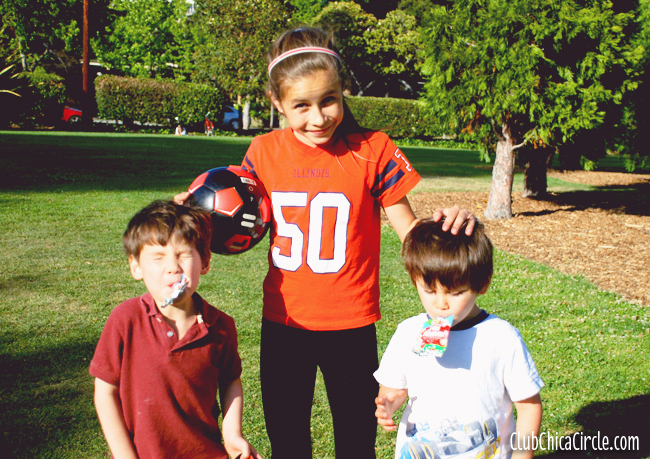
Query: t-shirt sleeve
pixel 391 372
pixel 250 160
pixel 107 360
pixel 520 376
pixel 394 176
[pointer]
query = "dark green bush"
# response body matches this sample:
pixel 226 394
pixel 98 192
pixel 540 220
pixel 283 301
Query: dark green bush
pixel 42 96
pixel 157 102
pixel 399 118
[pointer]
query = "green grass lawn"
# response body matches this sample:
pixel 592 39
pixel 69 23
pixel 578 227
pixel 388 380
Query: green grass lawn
pixel 65 200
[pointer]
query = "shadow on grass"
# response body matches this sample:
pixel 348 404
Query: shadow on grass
pixel 622 424
pixel 46 399
pixel 58 161
pixel 628 199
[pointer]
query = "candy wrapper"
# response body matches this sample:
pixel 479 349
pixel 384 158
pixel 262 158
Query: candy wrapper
pixel 433 338
pixel 178 288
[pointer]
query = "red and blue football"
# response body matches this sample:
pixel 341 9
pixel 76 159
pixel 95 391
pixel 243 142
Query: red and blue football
pixel 238 204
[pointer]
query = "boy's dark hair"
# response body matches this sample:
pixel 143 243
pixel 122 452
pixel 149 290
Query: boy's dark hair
pixel 432 254
pixel 160 221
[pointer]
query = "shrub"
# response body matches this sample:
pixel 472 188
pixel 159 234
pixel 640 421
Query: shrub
pixel 155 101
pixel 42 96
pixel 399 118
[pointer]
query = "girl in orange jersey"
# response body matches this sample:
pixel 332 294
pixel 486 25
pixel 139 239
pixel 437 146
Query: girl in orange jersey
pixel 327 179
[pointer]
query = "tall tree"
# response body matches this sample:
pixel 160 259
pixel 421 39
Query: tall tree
pixel 233 37
pixel 47 33
pixel 304 11
pixel 395 43
pixel 525 71
pixel 348 22
pixel 419 9
pixel 634 130
pixel 149 40
pixel 378 9
pixel 380 55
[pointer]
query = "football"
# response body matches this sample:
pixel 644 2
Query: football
pixel 239 207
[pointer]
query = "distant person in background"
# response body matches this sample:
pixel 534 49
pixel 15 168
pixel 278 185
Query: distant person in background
pixel 209 126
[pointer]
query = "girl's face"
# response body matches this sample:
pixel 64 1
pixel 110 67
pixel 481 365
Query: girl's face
pixel 313 106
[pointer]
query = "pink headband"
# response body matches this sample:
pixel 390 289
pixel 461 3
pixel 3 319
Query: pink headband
pixel 306 49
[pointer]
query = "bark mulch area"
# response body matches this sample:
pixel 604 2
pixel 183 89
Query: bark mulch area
pixel 603 234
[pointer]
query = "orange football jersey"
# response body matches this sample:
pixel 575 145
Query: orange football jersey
pixel 325 238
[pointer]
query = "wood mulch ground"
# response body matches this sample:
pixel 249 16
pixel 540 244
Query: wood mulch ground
pixel 603 235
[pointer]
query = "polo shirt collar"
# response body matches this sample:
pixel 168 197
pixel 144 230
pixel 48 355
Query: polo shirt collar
pixel 209 314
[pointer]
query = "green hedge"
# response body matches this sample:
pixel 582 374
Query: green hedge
pixel 399 118
pixel 156 101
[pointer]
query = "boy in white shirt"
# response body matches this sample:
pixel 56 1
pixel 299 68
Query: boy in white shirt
pixel 460 404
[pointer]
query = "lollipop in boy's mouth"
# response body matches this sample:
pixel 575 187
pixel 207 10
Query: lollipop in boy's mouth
pixel 178 288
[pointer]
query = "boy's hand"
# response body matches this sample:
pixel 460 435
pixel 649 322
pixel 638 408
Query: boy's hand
pixel 181 198
pixel 240 448
pixel 454 218
pixel 387 403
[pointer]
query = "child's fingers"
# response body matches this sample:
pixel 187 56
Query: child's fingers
pixel 391 396
pixel 471 224
pixel 180 198
pixel 387 424
pixel 454 217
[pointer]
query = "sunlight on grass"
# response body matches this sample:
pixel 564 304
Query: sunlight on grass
pixel 445 184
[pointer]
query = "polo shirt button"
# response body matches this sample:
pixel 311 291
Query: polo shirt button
pixel 170 333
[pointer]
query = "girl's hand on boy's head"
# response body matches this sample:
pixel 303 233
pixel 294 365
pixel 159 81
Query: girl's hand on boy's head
pixel 181 198
pixel 389 401
pixel 454 219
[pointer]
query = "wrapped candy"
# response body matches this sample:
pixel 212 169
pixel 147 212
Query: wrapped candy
pixel 177 289
pixel 434 336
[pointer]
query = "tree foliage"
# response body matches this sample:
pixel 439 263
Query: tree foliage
pixel 233 38
pixel 304 11
pixel 150 39
pixel 48 32
pixel 395 44
pixel 380 55
pixel 525 71
pixel 419 9
pixel 633 135
pixel 348 22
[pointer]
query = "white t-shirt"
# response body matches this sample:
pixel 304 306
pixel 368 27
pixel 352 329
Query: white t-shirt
pixel 460 404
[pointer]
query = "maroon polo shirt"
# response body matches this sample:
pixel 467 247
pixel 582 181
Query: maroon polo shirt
pixel 168 387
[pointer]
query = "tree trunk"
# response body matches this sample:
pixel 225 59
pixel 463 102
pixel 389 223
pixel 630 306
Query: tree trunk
pixel 246 117
pixel 272 116
pixel 499 204
pixel 535 183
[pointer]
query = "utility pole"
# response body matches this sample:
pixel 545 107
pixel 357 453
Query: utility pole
pixel 84 68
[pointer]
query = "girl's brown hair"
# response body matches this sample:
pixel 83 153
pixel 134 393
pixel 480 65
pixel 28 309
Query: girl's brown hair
pixel 432 254
pixel 161 221
pixel 299 66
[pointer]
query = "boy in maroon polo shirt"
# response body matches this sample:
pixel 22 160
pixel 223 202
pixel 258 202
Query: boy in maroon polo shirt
pixel 163 357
